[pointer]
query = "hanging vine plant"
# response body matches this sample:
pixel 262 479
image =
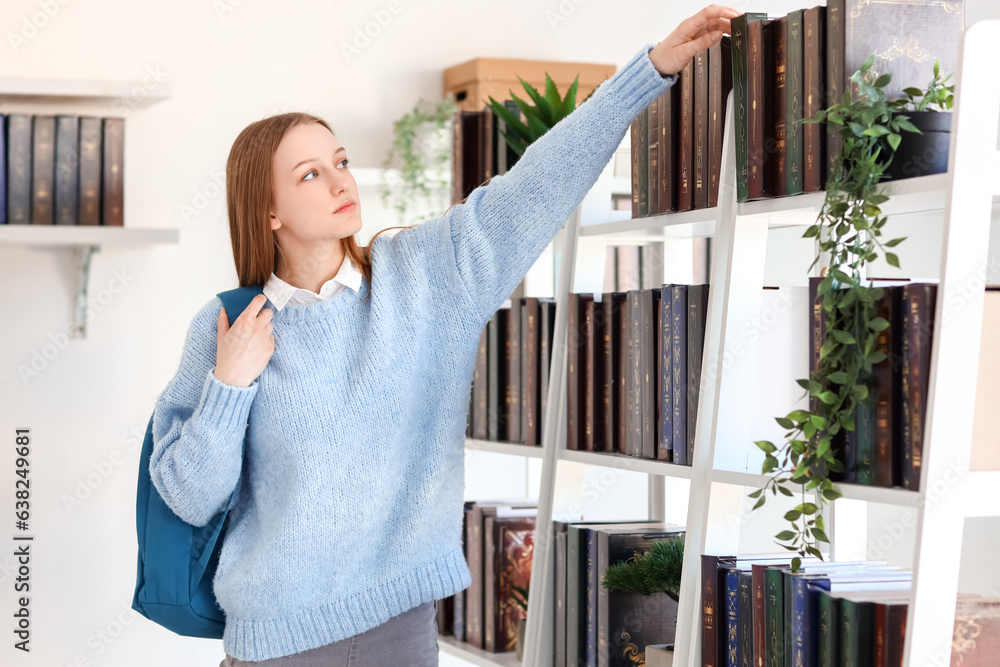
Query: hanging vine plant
pixel 849 230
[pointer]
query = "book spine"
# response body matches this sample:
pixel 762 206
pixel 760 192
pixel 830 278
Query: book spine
pixel 697 310
pixel 652 155
pixel 700 177
pixel 679 387
pixel 493 377
pixel 489 585
pixel 793 95
pixel 512 400
pixel 720 72
pixel 643 152
pixel 774 617
pixel 732 619
pixel 780 106
pixel 668 149
pixel 827 627
pixel 650 299
pixel 798 643
pixel 835 21
pixel 587 366
pixel 755 113
pixel 43 170
pixel 738 28
pixel 113 201
pixel 592 588
pixel 664 448
pixel 710 606
pixel 573 369
pixel 759 621
pixel 884 373
pixel 67 170
pixel 625 373
pixel 479 389
pixel 812 79
pixel 745 615
pixel 634 161
pixel 685 194
pixel 90 171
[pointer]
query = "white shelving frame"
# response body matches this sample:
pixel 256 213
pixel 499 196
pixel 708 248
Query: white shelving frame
pixel 966 195
pixel 31 95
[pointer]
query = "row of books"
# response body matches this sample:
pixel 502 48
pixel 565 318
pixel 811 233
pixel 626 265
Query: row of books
pixel 596 626
pixel 676 141
pixel 634 371
pixel 479 150
pixel 61 170
pixel 499 539
pixel 510 381
pixel 787 68
pixel 849 614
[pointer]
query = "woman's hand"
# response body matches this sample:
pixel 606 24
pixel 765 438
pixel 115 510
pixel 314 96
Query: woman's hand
pixel 694 34
pixel 244 349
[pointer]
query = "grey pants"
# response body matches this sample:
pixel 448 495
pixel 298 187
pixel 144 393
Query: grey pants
pixel 409 639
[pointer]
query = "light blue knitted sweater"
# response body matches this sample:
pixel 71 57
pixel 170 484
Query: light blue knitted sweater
pixel 351 481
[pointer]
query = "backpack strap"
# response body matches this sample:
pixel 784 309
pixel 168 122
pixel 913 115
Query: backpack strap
pixel 236 300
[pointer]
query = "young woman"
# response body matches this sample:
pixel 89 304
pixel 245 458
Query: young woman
pixel 335 406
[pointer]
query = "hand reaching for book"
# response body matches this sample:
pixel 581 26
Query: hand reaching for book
pixel 694 34
pixel 245 348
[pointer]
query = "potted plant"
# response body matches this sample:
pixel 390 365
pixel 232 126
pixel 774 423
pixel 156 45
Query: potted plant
pixel 521 598
pixel 643 605
pixel 421 151
pixel 549 109
pixel 925 151
pixel 849 227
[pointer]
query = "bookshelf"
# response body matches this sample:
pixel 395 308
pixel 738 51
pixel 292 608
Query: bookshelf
pixel 966 196
pixel 85 97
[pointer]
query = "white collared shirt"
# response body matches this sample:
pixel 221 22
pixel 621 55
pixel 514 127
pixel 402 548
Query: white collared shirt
pixel 281 293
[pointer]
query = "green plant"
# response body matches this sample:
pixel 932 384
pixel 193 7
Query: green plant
pixel 936 94
pixel 848 228
pixel 548 110
pixel 658 570
pixel 421 161
pixel 521 597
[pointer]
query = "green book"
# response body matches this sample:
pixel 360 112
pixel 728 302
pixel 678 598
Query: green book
pixel 794 103
pixel 738 31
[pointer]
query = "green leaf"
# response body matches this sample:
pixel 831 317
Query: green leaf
pixel 820 535
pixel 913 92
pixel 878 324
pixel 818 422
pixel 894 139
pixel 908 126
pixel 807 508
pixel 755 494
pixel 784 491
pixel 796 564
pixel 827 397
pixel 552 94
pixel 843 336
pixel 785 535
pixel 892 259
pixel 838 377
pixel 792 515
pixel 813 230
pixel 883 80
pixel 823 448
pixel 569 102
pixel 876 131
pixel 759 503
pixel 831 494
pixel 895 242
pixel 813 551
pixel 784 422
pixel 798 415
pixel 766 446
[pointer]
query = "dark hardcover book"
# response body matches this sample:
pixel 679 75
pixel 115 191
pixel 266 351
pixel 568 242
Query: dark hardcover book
pixel 611 362
pixel 713 619
pixel 829 646
pixel 468 152
pixel 559 650
pixel 113 185
pixel 665 432
pixel 479 425
pixel 720 74
pixel 43 169
pixel 834 65
pixel 857 624
pixel 769 115
pixel 493 375
pixel 794 107
pixel 813 69
pixel 620 634
pixel 67 169
pixel 509 550
pixel 732 593
pixel 745 616
pixel 896 634
pixel 864 438
pixel 637 366
pixel 758 591
pixel 486 141
pixel 741 97
pixel 547 317
pixel 446 614
pixel 918 303
pixel 19 148
pixel 699 179
pixel 679 369
pixel 576 370
pixel 643 162
pixel 774 618
pixel 685 137
pixel 780 105
pixel 457 146
pixel 884 377
pixel 652 155
pixel 668 104
pixel 977 633
pixel 511 408
pixel 531 338
pixel 91 149
pixel 504 157
pixel 650 307
pixel 696 323
pixel 623 380
pixel 590 398
pixel 756 150
pixel 634 163
pixel 457 604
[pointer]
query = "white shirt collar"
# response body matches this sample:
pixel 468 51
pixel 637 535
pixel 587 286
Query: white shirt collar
pixel 281 293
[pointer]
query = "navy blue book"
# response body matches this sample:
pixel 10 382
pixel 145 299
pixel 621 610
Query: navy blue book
pixel 664 445
pixel 732 616
pixel 679 370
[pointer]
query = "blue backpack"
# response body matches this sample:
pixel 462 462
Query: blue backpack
pixel 177 561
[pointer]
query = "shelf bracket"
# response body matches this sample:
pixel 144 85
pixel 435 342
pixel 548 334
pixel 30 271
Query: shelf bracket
pixel 83 255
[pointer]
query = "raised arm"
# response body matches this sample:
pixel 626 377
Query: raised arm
pixel 199 424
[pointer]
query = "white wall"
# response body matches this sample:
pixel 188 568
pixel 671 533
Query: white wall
pixel 230 62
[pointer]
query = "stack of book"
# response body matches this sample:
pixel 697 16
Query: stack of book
pixel 510 383
pixel 787 68
pixel 499 546
pixel 634 371
pixel 61 170
pixel 677 140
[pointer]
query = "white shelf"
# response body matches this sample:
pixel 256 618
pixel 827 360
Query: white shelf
pixel 622 462
pixel 134 94
pixel 511 448
pixel 83 235
pixel 477 656
pixel 872 494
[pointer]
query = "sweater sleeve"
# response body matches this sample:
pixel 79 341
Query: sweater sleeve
pixel 502 227
pixel 199 425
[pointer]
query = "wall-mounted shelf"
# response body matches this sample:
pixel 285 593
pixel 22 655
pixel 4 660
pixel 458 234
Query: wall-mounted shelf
pixel 511 448
pixel 107 98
